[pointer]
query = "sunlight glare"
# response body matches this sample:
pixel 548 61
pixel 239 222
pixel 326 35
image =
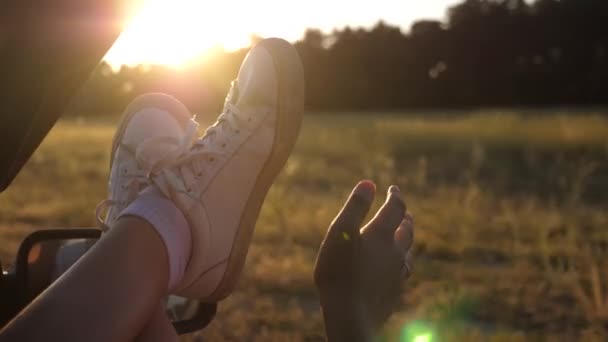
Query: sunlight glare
pixel 175 32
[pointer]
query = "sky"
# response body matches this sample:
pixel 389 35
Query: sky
pixel 174 32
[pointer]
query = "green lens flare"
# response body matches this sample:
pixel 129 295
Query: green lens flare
pixel 423 338
pixel 417 332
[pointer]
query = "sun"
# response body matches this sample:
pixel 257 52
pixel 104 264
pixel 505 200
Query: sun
pixel 174 32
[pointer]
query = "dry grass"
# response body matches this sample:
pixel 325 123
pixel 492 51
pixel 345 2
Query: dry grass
pixel 511 220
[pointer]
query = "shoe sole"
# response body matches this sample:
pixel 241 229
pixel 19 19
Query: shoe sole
pixel 290 103
pixel 149 100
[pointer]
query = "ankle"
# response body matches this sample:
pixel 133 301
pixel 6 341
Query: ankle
pixel 172 227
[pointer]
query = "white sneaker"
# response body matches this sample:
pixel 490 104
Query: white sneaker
pixel 155 127
pixel 221 182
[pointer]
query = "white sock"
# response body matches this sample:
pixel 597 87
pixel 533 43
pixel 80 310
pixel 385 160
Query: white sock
pixel 171 226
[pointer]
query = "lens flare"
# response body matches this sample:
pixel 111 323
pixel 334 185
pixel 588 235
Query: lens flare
pixel 423 338
pixel 417 332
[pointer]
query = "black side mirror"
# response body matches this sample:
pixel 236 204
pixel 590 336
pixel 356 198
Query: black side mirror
pixel 46 254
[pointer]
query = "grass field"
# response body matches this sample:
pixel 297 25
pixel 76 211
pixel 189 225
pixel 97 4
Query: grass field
pixel 511 220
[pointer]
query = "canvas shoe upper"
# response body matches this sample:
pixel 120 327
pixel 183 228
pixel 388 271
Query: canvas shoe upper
pixel 155 127
pixel 221 182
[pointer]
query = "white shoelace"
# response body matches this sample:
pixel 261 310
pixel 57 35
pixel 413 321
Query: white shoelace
pixel 188 151
pixel 146 155
pixel 192 165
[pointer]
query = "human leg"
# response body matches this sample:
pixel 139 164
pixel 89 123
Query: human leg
pixel 158 328
pixel 265 105
pixel 108 295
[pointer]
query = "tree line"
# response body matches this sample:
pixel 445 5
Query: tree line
pixel 485 53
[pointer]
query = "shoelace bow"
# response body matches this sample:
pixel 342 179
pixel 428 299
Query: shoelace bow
pixel 181 152
pixel 148 160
